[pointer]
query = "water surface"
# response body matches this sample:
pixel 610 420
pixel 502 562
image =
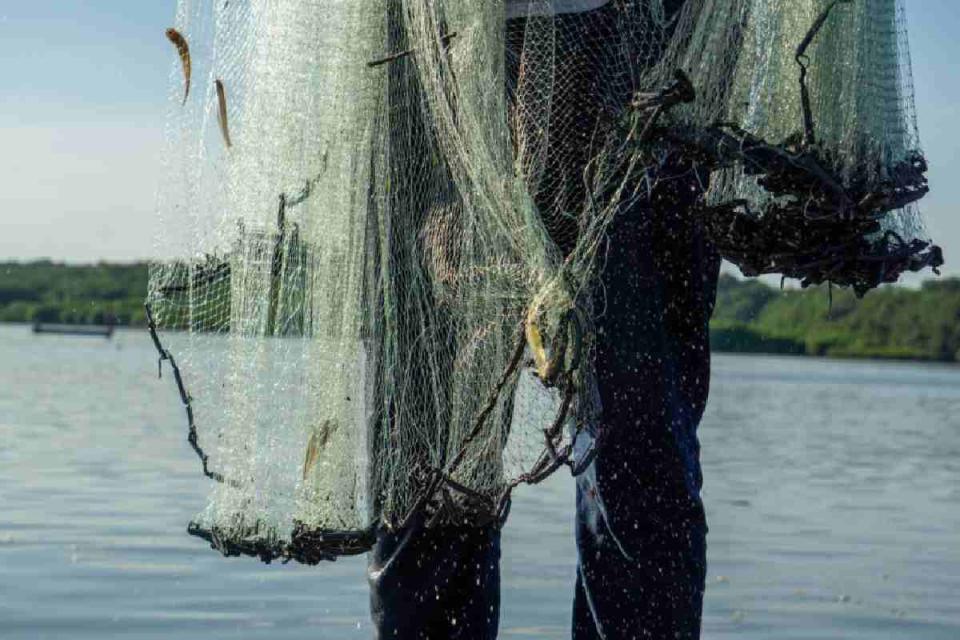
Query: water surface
pixel 832 493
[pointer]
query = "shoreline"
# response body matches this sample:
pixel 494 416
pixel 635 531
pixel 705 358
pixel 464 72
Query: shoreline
pixel 775 347
pixel 899 323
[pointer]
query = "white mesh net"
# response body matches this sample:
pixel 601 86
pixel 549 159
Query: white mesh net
pixel 412 198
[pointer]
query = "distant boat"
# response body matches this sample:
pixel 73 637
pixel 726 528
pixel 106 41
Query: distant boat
pixel 100 330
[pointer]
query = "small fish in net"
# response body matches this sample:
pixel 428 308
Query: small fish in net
pixel 183 50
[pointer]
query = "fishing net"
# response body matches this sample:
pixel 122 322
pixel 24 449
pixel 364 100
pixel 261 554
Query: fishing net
pixel 380 222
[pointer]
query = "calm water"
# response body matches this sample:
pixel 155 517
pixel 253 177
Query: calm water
pixel 832 490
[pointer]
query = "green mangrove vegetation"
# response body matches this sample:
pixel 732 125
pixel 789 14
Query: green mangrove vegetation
pixel 891 322
pixel 45 291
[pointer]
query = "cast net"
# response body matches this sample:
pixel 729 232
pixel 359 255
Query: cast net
pixel 381 219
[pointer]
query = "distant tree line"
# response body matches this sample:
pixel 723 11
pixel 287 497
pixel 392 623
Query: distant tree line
pixel 45 291
pixel 750 316
pixel 890 322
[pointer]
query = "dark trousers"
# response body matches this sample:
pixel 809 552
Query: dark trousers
pixel 436 584
pixel 641 531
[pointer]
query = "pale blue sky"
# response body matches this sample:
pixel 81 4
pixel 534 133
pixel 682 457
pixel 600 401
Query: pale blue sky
pixel 83 85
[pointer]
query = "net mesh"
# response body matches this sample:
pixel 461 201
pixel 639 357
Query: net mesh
pixel 378 237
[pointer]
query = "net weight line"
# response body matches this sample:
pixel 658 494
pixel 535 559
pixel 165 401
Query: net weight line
pixel 185 398
pixel 816 230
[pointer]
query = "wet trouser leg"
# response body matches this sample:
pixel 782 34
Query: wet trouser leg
pixel 641 531
pixel 441 583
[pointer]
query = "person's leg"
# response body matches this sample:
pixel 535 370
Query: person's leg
pixel 641 531
pixel 441 583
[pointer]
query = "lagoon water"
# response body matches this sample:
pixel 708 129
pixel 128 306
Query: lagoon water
pixel 832 493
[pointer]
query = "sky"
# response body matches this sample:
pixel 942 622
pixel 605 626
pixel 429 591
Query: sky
pixel 83 89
